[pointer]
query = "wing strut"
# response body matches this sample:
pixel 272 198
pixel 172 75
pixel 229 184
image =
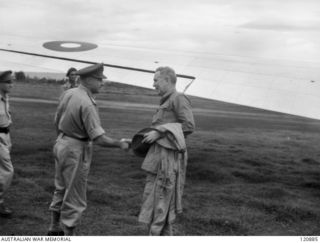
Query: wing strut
pixel 188 85
pixel 90 62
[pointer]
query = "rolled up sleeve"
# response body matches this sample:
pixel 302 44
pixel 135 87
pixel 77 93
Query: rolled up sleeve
pixel 92 122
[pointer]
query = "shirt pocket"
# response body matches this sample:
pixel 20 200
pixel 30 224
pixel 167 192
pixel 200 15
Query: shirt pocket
pixel 161 114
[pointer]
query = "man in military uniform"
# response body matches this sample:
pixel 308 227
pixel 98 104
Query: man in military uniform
pixel 166 160
pixel 78 126
pixel 6 168
pixel 71 79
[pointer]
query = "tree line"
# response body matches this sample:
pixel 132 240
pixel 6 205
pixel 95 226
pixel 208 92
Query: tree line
pixel 21 76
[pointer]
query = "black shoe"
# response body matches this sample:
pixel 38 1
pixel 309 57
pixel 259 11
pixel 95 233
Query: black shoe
pixel 5 212
pixel 55 233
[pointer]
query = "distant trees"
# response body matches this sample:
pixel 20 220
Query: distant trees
pixel 45 80
pixel 20 76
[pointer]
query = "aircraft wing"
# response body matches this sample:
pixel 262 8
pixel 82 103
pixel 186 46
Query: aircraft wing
pixel 279 85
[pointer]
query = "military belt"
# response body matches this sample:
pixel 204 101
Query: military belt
pixel 4 130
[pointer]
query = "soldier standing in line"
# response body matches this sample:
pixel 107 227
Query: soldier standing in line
pixel 6 168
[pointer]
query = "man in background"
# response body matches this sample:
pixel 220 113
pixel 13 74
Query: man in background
pixel 166 160
pixel 72 79
pixel 6 168
pixel 78 126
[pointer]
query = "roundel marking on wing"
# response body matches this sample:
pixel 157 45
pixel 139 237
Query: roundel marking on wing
pixel 69 46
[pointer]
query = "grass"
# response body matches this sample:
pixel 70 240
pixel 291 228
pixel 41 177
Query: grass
pixel 250 172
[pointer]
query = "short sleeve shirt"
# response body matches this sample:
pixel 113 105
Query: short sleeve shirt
pixel 5 117
pixel 77 114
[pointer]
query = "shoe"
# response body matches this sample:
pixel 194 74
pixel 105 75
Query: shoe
pixel 70 231
pixel 55 233
pixel 5 212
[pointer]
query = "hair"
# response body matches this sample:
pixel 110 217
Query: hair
pixel 168 72
pixel 72 69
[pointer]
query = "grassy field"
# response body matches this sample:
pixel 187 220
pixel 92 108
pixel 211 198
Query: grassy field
pixel 250 172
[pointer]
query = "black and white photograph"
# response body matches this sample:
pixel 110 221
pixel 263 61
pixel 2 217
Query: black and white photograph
pixel 159 118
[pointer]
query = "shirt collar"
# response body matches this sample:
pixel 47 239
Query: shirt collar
pixel 89 93
pixel 167 95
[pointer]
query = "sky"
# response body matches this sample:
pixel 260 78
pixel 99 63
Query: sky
pixel 287 29
pixel 262 53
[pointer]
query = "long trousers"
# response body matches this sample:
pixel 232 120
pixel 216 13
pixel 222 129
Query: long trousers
pixel 158 207
pixel 72 166
pixel 6 168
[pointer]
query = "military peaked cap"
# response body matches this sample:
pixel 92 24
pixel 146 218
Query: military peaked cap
pixel 5 76
pixel 95 71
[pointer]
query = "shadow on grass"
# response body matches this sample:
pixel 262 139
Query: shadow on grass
pixel 284 213
pixel 213 175
pixel 253 176
pixel 217 226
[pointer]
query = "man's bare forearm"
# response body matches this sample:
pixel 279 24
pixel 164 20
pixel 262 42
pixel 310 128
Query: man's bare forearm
pixel 106 141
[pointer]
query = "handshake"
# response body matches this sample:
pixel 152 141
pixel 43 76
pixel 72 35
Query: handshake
pixel 125 144
pixel 141 141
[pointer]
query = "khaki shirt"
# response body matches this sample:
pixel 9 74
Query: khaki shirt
pixel 5 117
pixel 77 115
pixel 175 107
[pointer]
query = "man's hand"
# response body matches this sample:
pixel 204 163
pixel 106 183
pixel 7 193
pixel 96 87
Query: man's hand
pixel 151 137
pixel 125 144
